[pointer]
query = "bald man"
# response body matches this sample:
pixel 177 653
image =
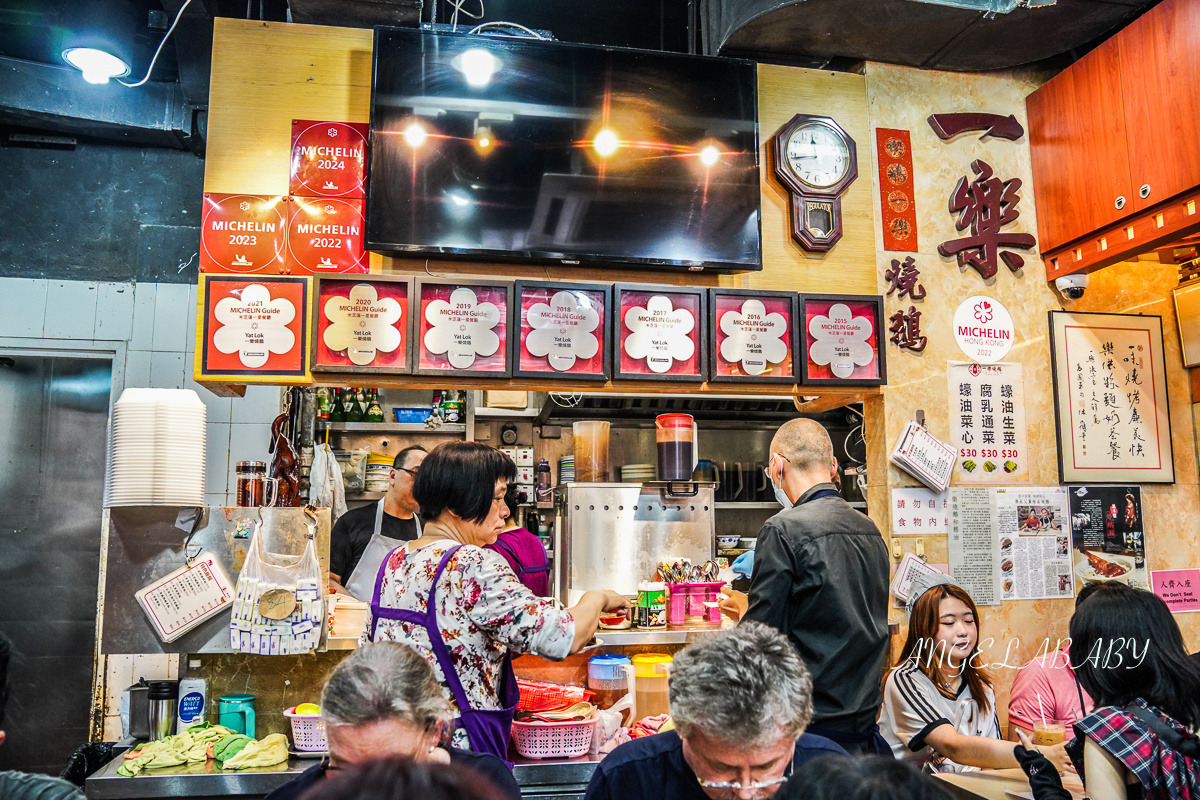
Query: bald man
pixel 821 577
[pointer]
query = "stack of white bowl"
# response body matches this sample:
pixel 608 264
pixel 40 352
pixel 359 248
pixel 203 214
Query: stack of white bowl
pixel 156 449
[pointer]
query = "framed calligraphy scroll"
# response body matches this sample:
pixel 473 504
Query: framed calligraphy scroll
pixel 1110 398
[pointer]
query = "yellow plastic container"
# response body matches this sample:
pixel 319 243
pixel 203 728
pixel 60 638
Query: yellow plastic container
pixel 650 683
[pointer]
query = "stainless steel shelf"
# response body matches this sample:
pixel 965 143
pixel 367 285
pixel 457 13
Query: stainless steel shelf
pixel 752 504
pixel 448 428
pixel 505 413
pixel 668 636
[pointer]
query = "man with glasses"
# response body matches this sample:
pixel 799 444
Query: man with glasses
pixel 362 537
pixel 820 576
pixel 383 700
pixel 740 701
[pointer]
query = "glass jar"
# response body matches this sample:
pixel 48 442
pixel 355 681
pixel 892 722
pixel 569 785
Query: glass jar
pixel 251 483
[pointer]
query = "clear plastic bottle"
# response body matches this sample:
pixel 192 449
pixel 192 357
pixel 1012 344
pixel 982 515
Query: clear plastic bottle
pixel 193 699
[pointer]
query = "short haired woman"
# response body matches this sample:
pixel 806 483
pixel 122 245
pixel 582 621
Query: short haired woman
pixel 1140 740
pixel 939 710
pixel 397 778
pixel 461 607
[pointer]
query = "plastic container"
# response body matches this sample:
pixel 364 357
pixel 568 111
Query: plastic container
pixel 554 739
pixel 410 413
pixel 650 683
pixel 607 678
pixel 591 451
pixel 651 605
pixel 308 731
pixel 693 603
pixel 193 700
pixel 675 435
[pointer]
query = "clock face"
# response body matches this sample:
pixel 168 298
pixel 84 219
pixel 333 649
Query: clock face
pixel 817 155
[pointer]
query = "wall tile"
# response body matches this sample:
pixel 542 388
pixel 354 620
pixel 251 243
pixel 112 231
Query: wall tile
pixel 142 336
pixel 261 404
pixel 70 311
pixel 190 310
pixel 166 370
pixel 114 311
pixel 217 471
pixel 137 369
pixel 24 306
pixel 171 314
pixel 249 442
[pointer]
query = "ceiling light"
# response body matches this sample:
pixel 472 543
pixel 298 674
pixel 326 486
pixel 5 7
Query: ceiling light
pixel 96 65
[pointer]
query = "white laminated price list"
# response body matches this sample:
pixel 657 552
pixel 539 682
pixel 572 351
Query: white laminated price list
pixel 925 458
pixel 187 597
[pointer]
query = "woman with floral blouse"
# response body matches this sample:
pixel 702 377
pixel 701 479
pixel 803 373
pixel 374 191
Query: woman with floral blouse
pixel 480 612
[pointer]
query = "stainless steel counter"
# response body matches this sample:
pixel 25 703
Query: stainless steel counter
pixel 557 779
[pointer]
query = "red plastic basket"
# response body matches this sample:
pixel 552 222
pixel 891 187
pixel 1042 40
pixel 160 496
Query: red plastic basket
pixel 554 739
pixel 541 696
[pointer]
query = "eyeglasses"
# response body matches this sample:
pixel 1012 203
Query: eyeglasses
pixel 737 786
pixel 412 472
pixel 767 468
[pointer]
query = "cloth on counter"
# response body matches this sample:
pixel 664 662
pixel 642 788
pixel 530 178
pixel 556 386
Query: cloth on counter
pixel 913 706
pixel 1125 734
pixel 648 726
pixel 265 752
pixel 618 738
pixel 354 529
pixel 483 764
pixel 24 786
pixel 653 767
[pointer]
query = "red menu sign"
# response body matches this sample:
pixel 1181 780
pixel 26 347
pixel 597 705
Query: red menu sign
pixel 254 327
pixel 328 158
pixel 362 324
pixel 242 233
pixel 660 334
pixel 463 328
pixel 753 336
pixel 325 234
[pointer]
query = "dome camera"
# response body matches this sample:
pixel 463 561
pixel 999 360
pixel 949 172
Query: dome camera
pixel 1072 286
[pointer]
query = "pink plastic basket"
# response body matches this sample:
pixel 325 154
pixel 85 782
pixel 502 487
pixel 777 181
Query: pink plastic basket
pixel 308 731
pixel 554 739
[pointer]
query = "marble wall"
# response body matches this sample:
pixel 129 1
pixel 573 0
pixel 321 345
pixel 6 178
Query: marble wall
pixel 904 98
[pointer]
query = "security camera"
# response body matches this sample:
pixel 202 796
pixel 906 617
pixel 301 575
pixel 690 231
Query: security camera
pixel 1072 286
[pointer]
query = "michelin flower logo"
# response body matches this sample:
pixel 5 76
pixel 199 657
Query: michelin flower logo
pixel 841 340
pixel 461 329
pixel 754 337
pixel 362 324
pixel 254 326
pixel 563 330
pixel 659 333
pixel 983 311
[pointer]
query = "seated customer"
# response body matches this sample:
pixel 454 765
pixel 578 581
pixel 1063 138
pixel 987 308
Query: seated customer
pixel 740 701
pixel 866 778
pixel 1046 689
pixel 939 710
pixel 1141 739
pixel 383 700
pixel 399 778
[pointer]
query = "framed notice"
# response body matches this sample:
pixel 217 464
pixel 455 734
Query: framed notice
pixel 1110 398
pixel 753 336
pixel 255 327
pixel 661 332
pixel 987 422
pixel 362 325
pixel 243 233
pixel 562 330
pixel 462 327
pixel 328 158
pixel 840 340
pixel 325 234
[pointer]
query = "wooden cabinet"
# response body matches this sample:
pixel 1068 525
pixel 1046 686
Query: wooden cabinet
pixel 1120 119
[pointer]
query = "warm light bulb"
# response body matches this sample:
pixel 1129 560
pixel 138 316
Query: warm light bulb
pixel 415 135
pixel 606 142
pixel 709 155
pixel 97 66
pixel 477 66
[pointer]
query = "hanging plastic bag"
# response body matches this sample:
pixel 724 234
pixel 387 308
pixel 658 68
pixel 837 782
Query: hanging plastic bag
pixel 278 608
pixel 325 481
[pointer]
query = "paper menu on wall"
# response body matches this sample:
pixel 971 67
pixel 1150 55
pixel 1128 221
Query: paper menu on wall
pixel 176 603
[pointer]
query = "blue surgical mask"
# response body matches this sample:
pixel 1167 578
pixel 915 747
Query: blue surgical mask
pixel 779 493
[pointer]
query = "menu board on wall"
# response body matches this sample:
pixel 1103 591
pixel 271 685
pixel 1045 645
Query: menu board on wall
pixel 362 325
pixel 987 423
pixel 1108 534
pixel 754 336
pixel 840 342
pixel 325 234
pixel 661 332
pixel 1110 397
pixel 254 327
pixel 328 158
pixel 462 327
pixel 243 233
pixel 562 330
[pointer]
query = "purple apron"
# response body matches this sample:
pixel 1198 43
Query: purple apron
pixel 488 730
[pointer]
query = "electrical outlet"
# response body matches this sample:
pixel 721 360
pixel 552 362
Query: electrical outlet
pixel 483 433
pixel 919 546
pixel 896 551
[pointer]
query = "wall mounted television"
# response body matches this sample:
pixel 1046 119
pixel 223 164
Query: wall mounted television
pixel 504 148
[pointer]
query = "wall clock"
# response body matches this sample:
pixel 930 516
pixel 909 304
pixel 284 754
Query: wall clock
pixel 816 161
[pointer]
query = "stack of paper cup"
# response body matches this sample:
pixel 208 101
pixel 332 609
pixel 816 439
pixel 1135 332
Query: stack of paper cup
pixel 156 449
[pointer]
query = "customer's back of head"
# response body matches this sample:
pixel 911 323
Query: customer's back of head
pixel 1126 645
pixel 865 778
pixel 397 778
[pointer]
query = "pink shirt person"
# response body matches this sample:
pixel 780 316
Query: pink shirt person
pixel 1052 678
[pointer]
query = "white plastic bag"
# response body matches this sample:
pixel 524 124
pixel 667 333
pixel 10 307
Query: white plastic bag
pixel 325 481
pixel 270 583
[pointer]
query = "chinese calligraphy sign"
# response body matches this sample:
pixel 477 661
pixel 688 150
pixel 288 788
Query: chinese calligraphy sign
pixel 906 330
pixel 896 197
pixel 987 423
pixel 986 204
pixel 905 278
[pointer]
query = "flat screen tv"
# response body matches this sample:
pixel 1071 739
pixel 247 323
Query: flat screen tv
pixel 504 148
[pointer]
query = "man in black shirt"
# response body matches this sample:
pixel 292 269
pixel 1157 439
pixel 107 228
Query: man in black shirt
pixel 374 530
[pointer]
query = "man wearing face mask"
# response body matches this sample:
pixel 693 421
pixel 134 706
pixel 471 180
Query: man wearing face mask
pixel 820 576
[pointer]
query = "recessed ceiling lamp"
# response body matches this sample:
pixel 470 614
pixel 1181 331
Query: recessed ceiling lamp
pixel 93 55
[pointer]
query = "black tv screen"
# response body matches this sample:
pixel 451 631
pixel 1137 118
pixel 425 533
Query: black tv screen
pixel 496 147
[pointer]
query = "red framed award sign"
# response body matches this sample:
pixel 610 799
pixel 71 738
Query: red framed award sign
pixel 841 340
pixel 254 329
pixel 328 158
pixel 362 325
pixel 324 235
pixel 562 330
pixel 753 336
pixel 660 332
pixel 243 233
pixel 462 327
